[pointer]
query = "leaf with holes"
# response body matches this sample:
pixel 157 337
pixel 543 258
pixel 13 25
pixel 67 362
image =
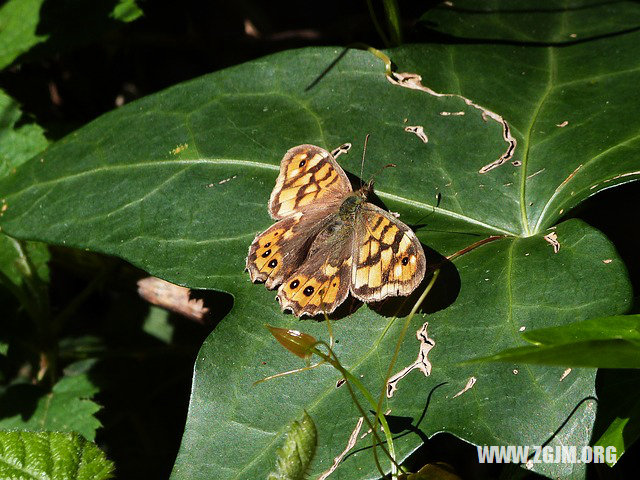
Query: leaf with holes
pixel 177 183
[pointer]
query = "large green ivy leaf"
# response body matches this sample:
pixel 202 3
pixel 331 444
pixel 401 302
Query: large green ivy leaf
pixel 51 456
pixel 177 183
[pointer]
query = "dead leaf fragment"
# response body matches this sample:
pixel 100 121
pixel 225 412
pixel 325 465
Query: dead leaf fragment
pixel 172 297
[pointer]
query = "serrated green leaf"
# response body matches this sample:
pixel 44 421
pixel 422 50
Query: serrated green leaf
pixel 17 144
pixel 67 408
pixel 183 194
pixel 18 23
pixel 51 456
pixel 609 342
pixel 18 259
pixel 294 457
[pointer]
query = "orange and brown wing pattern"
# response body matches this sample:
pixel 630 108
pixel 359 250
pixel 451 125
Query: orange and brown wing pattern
pixel 321 284
pixel 388 259
pixel 282 248
pixel 307 174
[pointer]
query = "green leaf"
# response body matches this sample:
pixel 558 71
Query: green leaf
pixel 21 260
pixel 618 422
pixel 157 324
pixel 609 342
pixel 532 21
pixel 67 408
pixel 127 11
pixel 23 265
pixel 51 456
pixel 17 144
pixel 294 458
pixel 177 184
pixel 18 23
pixel 622 432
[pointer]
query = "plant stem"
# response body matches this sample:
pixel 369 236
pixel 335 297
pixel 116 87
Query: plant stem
pixel 351 379
pixel 377 25
pixel 393 21
pixel 396 352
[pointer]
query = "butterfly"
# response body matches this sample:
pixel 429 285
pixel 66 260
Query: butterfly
pixel 328 241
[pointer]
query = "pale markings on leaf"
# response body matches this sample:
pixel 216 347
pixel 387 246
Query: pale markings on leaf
pixel 470 383
pixel 422 363
pixel 227 180
pixel 352 441
pixel 535 173
pixel 552 239
pixel 414 81
pixel 563 124
pixel 451 114
pixel 565 373
pixel 180 148
pixel 566 180
pixel 419 132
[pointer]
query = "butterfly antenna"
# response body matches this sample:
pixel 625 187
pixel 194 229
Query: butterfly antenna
pixel 438 199
pixel 364 152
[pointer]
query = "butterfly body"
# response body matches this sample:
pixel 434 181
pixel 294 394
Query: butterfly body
pixel 329 241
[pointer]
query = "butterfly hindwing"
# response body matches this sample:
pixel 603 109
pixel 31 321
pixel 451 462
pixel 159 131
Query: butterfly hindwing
pixel 388 257
pixel 321 283
pixel 308 174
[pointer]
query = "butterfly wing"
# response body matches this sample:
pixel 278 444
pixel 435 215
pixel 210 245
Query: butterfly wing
pixel 278 251
pixel 321 283
pixel 388 259
pixel 308 174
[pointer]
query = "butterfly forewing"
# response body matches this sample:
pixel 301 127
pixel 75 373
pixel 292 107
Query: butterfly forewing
pixel 308 174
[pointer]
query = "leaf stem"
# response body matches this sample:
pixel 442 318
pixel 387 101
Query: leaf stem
pixel 351 379
pixel 393 21
pixel 396 352
pixel 377 25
